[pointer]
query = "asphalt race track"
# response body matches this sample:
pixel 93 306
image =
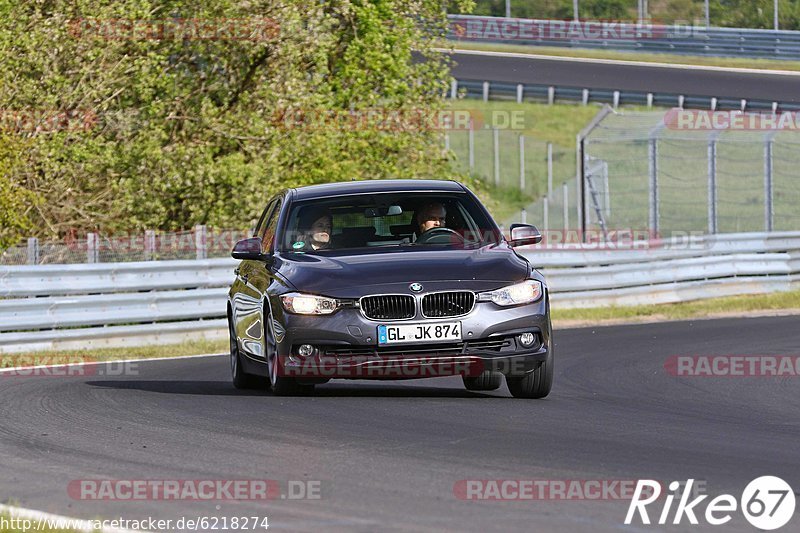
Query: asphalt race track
pixel 388 455
pixel 611 75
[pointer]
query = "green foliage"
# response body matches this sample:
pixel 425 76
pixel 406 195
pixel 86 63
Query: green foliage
pixel 174 132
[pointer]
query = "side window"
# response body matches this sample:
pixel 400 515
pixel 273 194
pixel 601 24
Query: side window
pixel 270 226
pixel 259 231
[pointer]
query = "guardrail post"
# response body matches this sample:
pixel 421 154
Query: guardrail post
pixel 201 241
pixel 523 216
pixel 446 141
pixel 565 213
pixel 714 103
pixel 616 99
pixel 521 162
pixel 549 169
pixel 649 99
pixel 454 89
pixel 520 90
pixel 744 104
pixel 496 144
pixel 149 244
pixel 92 248
pixel 486 91
pixel 585 97
pixel 652 158
pixel 712 185
pixel 681 101
pixel 33 251
pixel 768 168
pixel 551 95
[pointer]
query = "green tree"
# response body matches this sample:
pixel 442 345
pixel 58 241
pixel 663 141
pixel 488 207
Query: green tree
pixel 171 132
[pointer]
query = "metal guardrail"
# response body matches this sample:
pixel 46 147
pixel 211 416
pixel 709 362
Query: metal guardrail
pixel 629 37
pixel 526 92
pixel 129 304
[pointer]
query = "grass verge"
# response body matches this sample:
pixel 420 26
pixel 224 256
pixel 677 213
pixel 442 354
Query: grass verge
pixel 730 62
pixel 112 354
pixel 774 303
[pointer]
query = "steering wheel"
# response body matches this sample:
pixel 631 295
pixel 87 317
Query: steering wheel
pixel 440 236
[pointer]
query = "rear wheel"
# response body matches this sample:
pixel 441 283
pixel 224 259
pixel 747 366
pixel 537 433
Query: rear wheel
pixel 241 379
pixel 487 381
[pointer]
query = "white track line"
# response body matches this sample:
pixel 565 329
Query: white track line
pixel 82 363
pixel 622 62
pixel 75 524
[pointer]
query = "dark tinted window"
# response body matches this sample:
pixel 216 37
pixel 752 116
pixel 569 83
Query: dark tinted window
pixel 386 220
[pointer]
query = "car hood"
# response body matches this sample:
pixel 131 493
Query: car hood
pixel 352 276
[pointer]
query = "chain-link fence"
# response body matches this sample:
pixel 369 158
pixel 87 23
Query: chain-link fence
pixel 681 170
pixel 510 160
pixel 198 243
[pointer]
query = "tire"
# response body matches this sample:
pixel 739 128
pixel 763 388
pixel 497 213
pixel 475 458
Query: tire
pixel 487 381
pixel 536 384
pixel 240 378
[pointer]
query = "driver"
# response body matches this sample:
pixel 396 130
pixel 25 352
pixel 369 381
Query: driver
pixel 314 225
pixel 429 216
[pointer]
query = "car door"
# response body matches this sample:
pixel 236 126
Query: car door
pixel 247 297
pixel 257 277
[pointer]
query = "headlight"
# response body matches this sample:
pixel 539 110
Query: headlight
pixel 307 304
pixel 521 293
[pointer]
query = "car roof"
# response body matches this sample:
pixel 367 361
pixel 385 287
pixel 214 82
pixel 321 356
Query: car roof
pixel 344 188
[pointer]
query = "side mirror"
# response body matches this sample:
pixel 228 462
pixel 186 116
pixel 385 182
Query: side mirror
pixel 523 235
pixel 248 249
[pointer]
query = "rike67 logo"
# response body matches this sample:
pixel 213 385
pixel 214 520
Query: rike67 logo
pixel 767 502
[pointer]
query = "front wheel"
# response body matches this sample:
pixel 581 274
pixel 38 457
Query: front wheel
pixel 536 384
pixel 281 385
pixel 241 379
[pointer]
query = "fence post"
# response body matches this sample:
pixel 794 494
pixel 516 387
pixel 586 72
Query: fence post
pixel 565 188
pixel 496 140
pixel 549 169
pixel 471 146
pixel 768 168
pixel 200 241
pixel 652 157
pixel 92 248
pixel 149 244
pixel 33 251
pixel 712 185
pixel 521 162
pixel 546 212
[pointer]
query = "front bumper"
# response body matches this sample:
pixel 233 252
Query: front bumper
pixel 345 345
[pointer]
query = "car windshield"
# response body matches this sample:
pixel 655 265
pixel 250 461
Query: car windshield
pixel 420 220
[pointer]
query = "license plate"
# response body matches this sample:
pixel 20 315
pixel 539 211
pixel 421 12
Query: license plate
pixel 419 332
